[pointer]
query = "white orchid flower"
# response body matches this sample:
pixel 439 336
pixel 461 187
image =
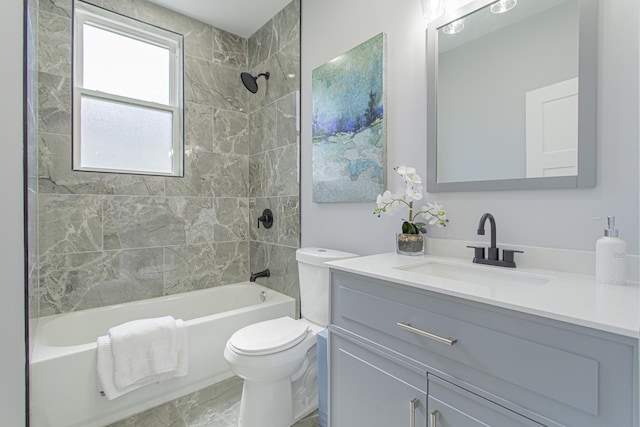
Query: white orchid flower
pixel 414 192
pixel 383 199
pixel 435 214
pixel 434 207
pixel 405 170
pixel 389 203
pixel 414 179
pixel 409 175
pixel 432 220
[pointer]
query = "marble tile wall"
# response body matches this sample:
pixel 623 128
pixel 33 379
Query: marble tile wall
pixel 32 160
pixel 111 238
pixel 273 149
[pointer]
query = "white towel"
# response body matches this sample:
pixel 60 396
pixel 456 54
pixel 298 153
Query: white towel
pixel 143 348
pixel 107 385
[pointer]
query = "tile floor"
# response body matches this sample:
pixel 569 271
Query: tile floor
pixel 214 406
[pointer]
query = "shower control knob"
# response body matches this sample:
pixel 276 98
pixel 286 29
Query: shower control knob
pixel 266 219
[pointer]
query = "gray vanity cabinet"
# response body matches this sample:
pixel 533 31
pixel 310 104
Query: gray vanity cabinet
pixel 375 390
pixel 396 350
pixel 453 406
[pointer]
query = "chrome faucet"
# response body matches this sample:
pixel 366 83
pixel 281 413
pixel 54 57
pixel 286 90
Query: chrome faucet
pixel 493 252
pixel 263 273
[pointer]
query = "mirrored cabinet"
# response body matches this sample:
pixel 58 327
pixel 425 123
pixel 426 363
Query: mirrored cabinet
pixel 511 100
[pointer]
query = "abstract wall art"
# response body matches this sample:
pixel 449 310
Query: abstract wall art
pixel 349 135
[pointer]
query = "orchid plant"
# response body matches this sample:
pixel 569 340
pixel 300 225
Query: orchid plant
pixel 389 203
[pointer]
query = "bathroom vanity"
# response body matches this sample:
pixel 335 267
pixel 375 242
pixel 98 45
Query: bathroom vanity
pixel 437 342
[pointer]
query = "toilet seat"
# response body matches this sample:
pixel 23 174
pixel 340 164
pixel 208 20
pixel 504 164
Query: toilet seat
pixel 270 336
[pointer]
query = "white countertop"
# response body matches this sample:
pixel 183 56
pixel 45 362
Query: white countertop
pixel 568 297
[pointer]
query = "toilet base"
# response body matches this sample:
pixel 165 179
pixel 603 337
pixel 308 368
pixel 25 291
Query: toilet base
pixel 266 404
pixel 284 402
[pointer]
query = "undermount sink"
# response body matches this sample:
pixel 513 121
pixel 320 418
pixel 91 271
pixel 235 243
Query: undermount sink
pixel 481 275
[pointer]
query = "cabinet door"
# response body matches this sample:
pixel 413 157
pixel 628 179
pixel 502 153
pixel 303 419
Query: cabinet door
pixel 452 406
pixel 370 390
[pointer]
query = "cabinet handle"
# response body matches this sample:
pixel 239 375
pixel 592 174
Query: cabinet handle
pixel 412 412
pixel 408 327
pixel 434 418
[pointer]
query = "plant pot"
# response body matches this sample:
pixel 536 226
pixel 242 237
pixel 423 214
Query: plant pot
pixel 410 244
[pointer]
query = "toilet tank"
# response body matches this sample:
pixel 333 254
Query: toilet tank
pixel 314 282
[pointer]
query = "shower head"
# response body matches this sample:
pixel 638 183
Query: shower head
pixel 250 82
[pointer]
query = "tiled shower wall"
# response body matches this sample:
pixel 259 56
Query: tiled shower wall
pixel 32 159
pixel 273 149
pixel 111 238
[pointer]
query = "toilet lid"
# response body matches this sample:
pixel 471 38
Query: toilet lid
pixel 268 337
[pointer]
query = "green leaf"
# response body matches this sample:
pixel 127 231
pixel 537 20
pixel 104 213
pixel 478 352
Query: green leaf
pixel 421 227
pixel 409 228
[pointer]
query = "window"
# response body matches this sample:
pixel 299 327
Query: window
pixel 127 95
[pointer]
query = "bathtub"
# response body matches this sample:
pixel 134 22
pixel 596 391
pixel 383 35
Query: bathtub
pixel 63 381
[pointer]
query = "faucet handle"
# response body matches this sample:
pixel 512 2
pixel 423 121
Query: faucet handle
pixel 507 254
pixel 478 252
pixel 493 253
pixel 266 218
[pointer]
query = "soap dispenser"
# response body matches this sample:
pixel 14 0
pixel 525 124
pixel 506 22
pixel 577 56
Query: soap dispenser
pixel 610 256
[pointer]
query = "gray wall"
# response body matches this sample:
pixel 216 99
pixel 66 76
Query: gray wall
pixel 12 369
pixel 112 238
pixel 554 219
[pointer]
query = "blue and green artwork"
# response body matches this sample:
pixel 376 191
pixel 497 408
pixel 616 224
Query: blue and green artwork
pixel 349 125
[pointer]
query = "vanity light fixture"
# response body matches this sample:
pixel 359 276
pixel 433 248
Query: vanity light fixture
pixel 503 6
pixel 432 9
pixel 455 27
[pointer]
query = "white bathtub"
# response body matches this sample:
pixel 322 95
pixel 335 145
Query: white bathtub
pixel 63 380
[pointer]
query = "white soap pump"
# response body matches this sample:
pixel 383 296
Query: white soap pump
pixel 611 252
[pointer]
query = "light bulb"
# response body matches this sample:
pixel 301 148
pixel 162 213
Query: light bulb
pixel 454 28
pixel 503 6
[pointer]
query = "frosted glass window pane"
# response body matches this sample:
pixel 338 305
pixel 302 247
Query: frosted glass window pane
pixel 126 137
pixel 125 66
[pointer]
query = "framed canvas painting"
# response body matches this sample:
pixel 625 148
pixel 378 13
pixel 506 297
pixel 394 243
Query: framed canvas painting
pixel 349 134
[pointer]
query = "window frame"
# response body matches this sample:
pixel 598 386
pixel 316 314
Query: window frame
pixel 100 18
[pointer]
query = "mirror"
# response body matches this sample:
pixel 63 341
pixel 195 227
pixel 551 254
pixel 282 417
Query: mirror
pixel 511 100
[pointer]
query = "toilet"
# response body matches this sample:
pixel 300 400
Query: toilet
pixel 277 358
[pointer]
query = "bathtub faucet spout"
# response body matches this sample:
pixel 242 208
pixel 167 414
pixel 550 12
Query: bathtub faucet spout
pixel 263 273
